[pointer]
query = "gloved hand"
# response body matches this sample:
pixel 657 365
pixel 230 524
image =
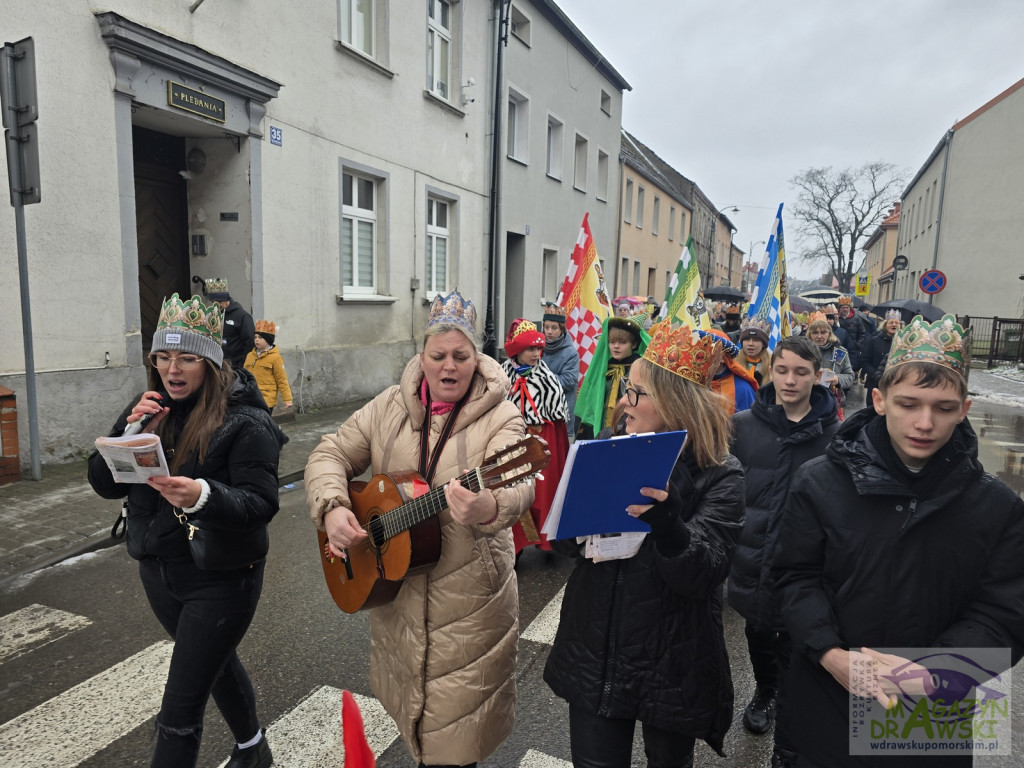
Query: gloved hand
pixel 665 518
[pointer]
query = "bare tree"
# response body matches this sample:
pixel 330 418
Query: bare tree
pixel 838 211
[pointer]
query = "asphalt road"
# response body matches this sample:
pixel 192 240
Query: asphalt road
pixel 80 673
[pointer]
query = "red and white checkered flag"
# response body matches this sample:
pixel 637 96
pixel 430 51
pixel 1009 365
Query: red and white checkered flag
pixel 584 297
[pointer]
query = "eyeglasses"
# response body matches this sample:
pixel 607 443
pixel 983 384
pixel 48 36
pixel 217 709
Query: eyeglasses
pixel 184 362
pixel 632 393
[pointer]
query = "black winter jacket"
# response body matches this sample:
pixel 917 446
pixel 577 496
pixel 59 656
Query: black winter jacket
pixel 770 447
pixel 642 638
pixel 876 350
pixel 864 560
pixel 239 335
pixel 856 335
pixel 241 468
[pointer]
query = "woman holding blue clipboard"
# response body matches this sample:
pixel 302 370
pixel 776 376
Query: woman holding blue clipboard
pixel 640 636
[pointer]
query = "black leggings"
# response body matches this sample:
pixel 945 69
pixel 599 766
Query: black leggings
pixel 604 742
pixel 207 614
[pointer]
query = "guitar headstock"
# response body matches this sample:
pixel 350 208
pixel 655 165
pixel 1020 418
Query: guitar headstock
pixel 515 463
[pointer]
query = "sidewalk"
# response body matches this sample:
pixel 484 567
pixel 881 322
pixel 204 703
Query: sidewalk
pixel 60 516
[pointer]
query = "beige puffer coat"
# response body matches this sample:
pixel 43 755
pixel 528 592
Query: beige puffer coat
pixel 443 654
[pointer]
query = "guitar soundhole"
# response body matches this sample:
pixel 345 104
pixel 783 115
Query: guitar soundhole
pixel 378 537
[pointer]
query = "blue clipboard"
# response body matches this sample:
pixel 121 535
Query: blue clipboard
pixel 603 477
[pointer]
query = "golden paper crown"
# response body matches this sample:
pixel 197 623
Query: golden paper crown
pixel 192 315
pixel 554 313
pixel 684 352
pixel 942 342
pixel 845 301
pixel 266 326
pixel 831 309
pixel 816 316
pixel 455 310
pixel 216 288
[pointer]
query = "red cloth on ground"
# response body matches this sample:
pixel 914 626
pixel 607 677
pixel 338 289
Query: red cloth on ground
pixel 557 438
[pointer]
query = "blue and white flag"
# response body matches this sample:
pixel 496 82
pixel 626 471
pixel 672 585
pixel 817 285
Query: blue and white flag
pixel 765 300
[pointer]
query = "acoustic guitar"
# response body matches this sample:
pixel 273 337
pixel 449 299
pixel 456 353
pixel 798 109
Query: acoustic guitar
pixel 399 513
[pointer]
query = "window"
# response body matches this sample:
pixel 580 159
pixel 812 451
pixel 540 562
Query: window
pixel 356 25
pixel 624 277
pixel 358 232
pixel 518 125
pixel 627 204
pixel 438 246
pixel 602 175
pixel 519 24
pixel 549 275
pixel 651 277
pixel 439 43
pixel 671 223
pixel 655 215
pixel 554 156
pixel 639 207
pixel 606 102
pixel 579 179
pixel 636 278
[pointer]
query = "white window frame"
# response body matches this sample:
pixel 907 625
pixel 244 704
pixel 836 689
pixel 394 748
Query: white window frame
pixel 348 12
pixel 580 162
pixel 356 214
pixel 436 59
pixel 627 208
pixel 517 128
pixel 606 102
pixel 671 223
pixel 519 25
pixel 555 147
pixel 550 276
pixel 434 283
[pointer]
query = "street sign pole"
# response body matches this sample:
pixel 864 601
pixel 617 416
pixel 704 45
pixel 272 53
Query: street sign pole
pixel 19 109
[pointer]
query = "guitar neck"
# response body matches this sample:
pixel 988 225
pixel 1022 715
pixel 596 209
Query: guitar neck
pixel 422 507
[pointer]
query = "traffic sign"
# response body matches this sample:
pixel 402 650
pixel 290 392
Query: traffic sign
pixel 932 281
pixel 863 287
pixel 900 262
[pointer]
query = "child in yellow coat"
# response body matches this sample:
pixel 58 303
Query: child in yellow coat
pixel 267 366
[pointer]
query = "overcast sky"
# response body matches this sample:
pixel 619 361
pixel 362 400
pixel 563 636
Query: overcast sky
pixel 742 95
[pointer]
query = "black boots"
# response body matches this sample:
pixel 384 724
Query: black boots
pixel 760 712
pixel 256 756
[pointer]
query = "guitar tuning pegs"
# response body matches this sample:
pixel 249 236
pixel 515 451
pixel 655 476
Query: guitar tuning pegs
pixel 540 476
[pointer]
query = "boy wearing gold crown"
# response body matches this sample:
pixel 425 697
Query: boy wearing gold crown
pixel 266 365
pixel 896 538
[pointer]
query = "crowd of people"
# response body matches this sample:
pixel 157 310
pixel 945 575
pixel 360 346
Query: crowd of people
pixel 835 539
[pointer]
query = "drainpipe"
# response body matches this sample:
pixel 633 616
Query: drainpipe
pixel 494 218
pixel 942 195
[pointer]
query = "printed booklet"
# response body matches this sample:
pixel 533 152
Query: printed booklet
pixel 134 458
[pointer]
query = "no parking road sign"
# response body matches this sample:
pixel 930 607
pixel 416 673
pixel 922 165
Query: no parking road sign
pixel 932 281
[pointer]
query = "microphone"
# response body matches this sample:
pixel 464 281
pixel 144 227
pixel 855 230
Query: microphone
pixel 137 426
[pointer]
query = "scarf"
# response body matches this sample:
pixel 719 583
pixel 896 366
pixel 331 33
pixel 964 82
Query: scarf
pixel 436 409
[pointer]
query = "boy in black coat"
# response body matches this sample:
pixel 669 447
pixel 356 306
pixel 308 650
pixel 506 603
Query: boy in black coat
pixel 790 423
pixel 898 538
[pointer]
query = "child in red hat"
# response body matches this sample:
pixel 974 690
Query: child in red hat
pixel 541 400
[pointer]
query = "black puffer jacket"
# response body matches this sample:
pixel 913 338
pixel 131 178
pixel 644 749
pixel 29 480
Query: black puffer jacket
pixel 876 351
pixel 867 556
pixel 770 447
pixel 642 638
pixel 240 466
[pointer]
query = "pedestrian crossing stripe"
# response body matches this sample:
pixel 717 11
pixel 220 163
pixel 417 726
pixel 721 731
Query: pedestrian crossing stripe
pixel 97 712
pixel 89 716
pixel 33 627
pixel 542 629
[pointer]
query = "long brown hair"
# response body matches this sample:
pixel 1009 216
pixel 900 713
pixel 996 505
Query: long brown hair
pixel 205 418
pixel 682 404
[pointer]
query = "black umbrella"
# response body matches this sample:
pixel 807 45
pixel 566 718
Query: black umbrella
pixel 799 305
pixel 910 308
pixel 724 293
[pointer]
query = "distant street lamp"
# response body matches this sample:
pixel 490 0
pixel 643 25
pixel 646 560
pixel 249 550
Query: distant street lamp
pixel 719 212
pixel 750 255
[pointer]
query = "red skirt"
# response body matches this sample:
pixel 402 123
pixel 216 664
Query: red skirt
pixel 557 438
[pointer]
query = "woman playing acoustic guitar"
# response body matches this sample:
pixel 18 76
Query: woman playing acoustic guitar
pixel 443 652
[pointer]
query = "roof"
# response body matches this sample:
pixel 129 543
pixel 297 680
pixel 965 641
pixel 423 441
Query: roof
pixel 564 25
pixel 892 219
pixel 646 162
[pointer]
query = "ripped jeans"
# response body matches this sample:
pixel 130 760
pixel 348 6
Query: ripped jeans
pixel 207 613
